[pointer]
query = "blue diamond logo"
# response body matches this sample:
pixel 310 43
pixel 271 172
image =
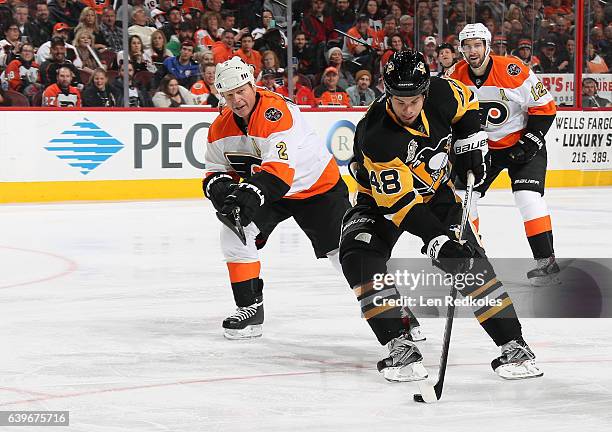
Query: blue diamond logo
pixel 85 146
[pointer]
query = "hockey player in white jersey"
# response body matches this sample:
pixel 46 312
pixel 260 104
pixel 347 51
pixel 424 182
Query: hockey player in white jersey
pixel 264 161
pixel 516 111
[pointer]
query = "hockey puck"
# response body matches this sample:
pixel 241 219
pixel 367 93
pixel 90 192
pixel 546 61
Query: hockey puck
pixel 418 398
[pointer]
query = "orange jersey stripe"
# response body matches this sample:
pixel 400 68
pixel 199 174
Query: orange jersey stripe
pixel 549 109
pixel 240 272
pixel 328 179
pixel 280 170
pixel 507 141
pixel 538 226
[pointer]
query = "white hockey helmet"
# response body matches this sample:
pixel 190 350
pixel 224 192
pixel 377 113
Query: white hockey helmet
pixel 475 31
pixel 232 74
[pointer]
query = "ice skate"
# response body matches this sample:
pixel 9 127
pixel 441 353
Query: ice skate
pixel 404 362
pixel 411 323
pixel 246 322
pixel 516 362
pixel 546 272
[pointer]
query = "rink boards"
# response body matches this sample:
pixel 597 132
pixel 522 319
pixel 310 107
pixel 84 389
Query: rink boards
pixel 156 154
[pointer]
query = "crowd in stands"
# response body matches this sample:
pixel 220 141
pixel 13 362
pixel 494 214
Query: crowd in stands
pixel 70 52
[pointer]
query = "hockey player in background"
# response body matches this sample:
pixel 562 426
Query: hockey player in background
pixel 264 159
pixel 516 111
pixel 401 153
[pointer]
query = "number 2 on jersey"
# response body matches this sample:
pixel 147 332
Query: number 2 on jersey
pixel 282 150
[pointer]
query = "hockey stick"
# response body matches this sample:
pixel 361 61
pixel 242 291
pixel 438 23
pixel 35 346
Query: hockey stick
pixel 433 393
pixel 233 225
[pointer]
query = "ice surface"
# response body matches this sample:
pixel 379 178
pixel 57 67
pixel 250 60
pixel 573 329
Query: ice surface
pixel 113 311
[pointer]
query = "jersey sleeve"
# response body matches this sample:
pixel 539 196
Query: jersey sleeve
pixel 214 158
pixel 541 107
pixel 277 139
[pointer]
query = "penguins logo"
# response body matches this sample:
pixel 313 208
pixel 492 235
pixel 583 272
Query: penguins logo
pixel 493 113
pixel 430 166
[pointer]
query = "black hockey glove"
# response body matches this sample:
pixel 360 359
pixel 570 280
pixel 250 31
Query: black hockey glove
pixel 248 198
pixel 217 188
pixel 472 154
pixel 450 255
pixel 526 148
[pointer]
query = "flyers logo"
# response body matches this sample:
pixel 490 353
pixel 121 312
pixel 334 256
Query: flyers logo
pixel 493 113
pixel 244 164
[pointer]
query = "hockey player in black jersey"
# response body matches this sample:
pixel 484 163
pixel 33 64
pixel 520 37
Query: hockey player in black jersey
pixel 401 164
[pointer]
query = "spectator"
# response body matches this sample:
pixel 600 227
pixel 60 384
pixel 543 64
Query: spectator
pixel 269 61
pixel 9 46
pixel 362 32
pixel 22 74
pixel 137 55
pixel 98 93
pixel 608 52
pixel 273 40
pixel 204 57
pixel 279 12
pixel 207 35
pixel 61 94
pixel 21 18
pixel 430 53
pixel 343 16
pixel 562 32
pixel 159 13
pixel 595 63
pixel 334 59
pixel 302 95
pixel 182 68
pixel 248 54
pixel 82 42
pixel 328 93
pixel 49 68
pixel 204 91
pixel 395 9
pixel 361 94
pixel 515 34
pixel 65 11
pixel 267 17
pixel 397 44
pixel 570 48
pixel 224 49
pixel 500 45
pixel 140 28
pixel 268 80
pixel 62 31
pixel 185 33
pixel 41 27
pixel 389 28
pixel 374 16
pixel 445 53
pixel 550 60
pixel 111 33
pixel 426 30
pixel 523 52
pixel 590 98
pixel 318 26
pixel 89 21
pixel 138 97
pixel 158 51
pixel 406 30
pixel 171 94
pixel 305 55
pixel 171 26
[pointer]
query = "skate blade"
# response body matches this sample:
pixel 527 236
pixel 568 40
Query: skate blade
pixel 417 335
pixel 249 332
pixel 412 372
pixel 517 371
pixel 541 281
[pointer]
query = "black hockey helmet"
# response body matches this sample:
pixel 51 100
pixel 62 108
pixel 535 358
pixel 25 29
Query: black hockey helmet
pixel 406 74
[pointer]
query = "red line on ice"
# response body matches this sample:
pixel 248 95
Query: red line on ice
pixel 71 266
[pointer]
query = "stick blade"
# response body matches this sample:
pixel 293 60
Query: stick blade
pixel 428 393
pixel 236 228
